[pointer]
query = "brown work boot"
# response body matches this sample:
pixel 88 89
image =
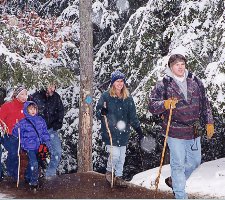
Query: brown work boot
pixel 108 176
pixel 168 182
pixel 118 181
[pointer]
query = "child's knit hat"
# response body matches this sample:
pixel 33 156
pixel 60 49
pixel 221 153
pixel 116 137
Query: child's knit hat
pixel 18 90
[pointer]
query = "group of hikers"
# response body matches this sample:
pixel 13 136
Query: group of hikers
pixel 179 91
pixel 26 123
pixel 35 121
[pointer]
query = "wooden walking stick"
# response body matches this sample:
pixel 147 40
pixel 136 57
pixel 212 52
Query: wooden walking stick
pixel 163 152
pixel 18 153
pixel 111 144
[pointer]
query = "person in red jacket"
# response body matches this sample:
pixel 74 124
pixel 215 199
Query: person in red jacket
pixel 10 113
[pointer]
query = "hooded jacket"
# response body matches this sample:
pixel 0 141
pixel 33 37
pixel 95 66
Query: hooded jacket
pixel 189 109
pixel 29 138
pixel 121 112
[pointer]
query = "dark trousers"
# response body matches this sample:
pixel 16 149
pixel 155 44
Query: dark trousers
pixel 0 157
pixel 11 145
pixel 31 174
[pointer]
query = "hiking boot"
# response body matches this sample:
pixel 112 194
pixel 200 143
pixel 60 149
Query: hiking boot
pixel 118 181
pixel 10 179
pixel 33 187
pixel 108 176
pixel 26 181
pixel 2 176
pixel 49 178
pixel 168 182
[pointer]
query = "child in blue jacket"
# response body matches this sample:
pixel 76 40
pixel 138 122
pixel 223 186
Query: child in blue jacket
pixel 30 139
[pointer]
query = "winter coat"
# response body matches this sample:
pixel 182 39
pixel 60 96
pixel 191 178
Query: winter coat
pixel 118 110
pixel 50 108
pixel 187 112
pixel 29 138
pixel 10 113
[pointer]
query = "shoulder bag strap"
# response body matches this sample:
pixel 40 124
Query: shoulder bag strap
pixel 33 127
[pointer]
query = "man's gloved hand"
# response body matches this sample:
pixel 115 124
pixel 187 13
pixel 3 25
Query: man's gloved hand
pixel 104 111
pixel 170 102
pixel 210 130
pixel 140 134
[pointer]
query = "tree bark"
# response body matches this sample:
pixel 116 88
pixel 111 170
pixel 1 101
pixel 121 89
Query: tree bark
pixel 86 78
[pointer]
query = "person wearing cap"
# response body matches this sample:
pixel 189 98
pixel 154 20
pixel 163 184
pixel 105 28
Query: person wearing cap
pixel 10 113
pixel 186 95
pixel 119 108
pixel 50 107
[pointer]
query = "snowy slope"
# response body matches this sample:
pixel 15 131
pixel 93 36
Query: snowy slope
pixel 208 180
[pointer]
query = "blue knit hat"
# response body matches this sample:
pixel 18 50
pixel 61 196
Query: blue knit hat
pixel 117 75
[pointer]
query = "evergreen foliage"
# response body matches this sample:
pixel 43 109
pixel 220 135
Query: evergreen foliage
pixel 137 41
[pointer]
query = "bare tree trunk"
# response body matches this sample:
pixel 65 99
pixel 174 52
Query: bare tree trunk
pixel 84 154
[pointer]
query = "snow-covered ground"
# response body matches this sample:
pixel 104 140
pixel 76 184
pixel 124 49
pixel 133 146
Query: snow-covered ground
pixel 5 196
pixel 208 180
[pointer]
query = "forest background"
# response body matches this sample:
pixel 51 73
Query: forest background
pixel 39 42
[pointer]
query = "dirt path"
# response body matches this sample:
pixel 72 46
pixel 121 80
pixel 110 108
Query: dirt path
pixel 89 185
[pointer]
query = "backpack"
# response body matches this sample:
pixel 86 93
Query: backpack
pixel 166 81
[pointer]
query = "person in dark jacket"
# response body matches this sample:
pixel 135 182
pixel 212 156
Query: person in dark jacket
pixel 50 107
pixel 2 95
pixel 32 131
pixel 119 108
pixel 186 95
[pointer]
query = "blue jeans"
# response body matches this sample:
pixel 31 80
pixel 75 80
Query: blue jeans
pixel 31 173
pixel 0 159
pixel 11 145
pixel 118 159
pixel 185 157
pixel 56 153
pixel 1 166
